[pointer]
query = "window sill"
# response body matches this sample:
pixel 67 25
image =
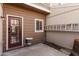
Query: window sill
pixel 39 31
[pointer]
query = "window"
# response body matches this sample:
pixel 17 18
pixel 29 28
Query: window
pixel 39 25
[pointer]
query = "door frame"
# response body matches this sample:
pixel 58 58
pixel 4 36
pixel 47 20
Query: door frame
pixel 7 29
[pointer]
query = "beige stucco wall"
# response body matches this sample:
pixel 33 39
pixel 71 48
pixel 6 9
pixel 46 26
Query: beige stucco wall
pixel 63 15
pixel 0 30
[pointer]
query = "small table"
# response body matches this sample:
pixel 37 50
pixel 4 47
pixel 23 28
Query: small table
pixel 29 41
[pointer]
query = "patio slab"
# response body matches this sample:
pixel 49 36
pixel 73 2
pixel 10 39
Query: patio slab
pixel 35 50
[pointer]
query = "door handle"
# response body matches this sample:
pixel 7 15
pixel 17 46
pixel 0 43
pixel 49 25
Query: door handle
pixel 9 30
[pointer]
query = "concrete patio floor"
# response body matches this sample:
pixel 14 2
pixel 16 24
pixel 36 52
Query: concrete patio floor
pixel 35 50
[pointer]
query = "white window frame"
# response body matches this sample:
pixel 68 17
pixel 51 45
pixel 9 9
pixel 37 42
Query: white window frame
pixel 42 25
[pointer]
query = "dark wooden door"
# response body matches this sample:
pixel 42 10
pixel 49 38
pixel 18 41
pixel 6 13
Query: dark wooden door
pixel 14 31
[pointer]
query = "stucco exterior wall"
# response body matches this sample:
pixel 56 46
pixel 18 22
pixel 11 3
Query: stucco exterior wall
pixel 0 30
pixel 63 15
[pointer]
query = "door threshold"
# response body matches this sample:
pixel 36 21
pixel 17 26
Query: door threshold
pixel 10 49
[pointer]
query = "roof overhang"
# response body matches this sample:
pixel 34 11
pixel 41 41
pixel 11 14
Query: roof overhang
pixel 31 7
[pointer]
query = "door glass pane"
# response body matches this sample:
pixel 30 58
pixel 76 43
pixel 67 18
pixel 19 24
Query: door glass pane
pixel 14 31
pixel 13 39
